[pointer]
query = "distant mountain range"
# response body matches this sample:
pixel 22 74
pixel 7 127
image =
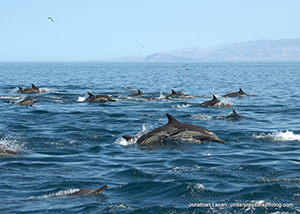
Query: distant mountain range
pixel 277 50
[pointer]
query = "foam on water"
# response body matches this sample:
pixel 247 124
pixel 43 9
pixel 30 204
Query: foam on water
pixel 201 117
pixel 58 194
pixel 44 90
pixel 224 103
pixel 81 99
pixel 9 142
pixel 279 136
pixel 145 129
pixel 181 106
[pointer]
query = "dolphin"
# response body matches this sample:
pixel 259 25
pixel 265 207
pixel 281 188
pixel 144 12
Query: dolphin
pixel 232 116
pixel 176 94
pixel 137 94
pixel 99 98
pixel 175 130
pixel 31 90
pixel 210 102
pixel 236 94
pixel 89 192
pixel 27 102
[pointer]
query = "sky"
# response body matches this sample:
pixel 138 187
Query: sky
pixel 101 29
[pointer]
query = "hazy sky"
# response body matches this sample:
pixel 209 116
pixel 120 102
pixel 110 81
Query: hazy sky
pixel 101 29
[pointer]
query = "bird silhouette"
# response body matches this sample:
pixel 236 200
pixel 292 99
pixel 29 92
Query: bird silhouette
pixel 51 18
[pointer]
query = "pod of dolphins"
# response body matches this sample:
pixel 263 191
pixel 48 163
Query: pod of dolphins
pixel 172 130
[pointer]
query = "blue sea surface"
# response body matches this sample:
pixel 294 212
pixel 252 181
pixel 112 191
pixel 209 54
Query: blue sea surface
pixel 68 144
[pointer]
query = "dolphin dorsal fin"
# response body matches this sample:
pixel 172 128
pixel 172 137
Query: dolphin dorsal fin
pixel 214 97
pixel 139 92
pixel 174 92
pixel 234 112
pixel 33 86
pixel 172 119
pixel 241 91
pixel 90 94
pixel 20 88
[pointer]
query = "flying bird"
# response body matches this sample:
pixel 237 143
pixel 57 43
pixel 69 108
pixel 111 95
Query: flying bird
pixel 51 18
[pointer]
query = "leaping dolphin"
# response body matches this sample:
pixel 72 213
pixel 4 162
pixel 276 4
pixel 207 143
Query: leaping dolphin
pixel 99 98
pixel 176 94
pixel 31 90
pixel 27 102
pixel 175 130
pixel 236 94
pixel 212 102
pixel 89 192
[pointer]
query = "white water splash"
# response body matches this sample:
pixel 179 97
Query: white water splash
pixel 201 117
pixel 9 144
pixel 279 136
pixel 224 103
pixel 181 106
pixel 58 194
pixel 124 142
pixel 81 99
pixel 199 186
pixel 44 90
pixel 144 130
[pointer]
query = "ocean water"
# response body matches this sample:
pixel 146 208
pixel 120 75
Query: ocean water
pixel 68 144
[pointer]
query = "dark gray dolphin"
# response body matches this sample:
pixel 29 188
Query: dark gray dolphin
pixel 236 94
pixel 136 94
pixel 175 130
pixel 210 102
pixel 176 94
pixel 232 116
pixel 27 102
pixel 99 98
pixel 31 90
pixel 89 192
